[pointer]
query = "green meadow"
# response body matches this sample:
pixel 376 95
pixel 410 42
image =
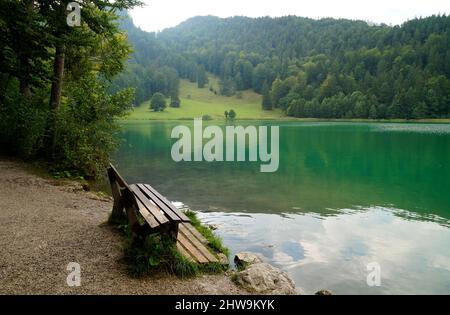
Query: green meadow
pixel 197 102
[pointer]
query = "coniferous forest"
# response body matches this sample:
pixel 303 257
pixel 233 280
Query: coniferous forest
pixel 324 68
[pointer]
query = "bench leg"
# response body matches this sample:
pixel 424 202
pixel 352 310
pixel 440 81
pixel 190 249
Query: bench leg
pixel 117 213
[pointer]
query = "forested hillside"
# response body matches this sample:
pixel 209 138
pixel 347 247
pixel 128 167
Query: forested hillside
pixel 310 68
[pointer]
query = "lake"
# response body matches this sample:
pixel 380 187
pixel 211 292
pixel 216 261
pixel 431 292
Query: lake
pixel 345 195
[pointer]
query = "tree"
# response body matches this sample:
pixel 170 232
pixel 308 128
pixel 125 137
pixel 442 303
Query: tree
pixel 260 75
pixel 324 57
pixel 98 23
pixel 158 102
pixel 232 114
pixel 277 91
pixel 227 87
pixel 63 74
pixel 266 99
pixel 175 101
pixel 373 112
pixel 202 78
pixel 226 114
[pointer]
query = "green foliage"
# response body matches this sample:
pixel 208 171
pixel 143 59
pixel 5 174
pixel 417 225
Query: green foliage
pixel 175 102
pixel 86 129
pixel 154 253
pixel 158 102
pixel 202 78
pixel 22 121
pixel 214 241
pixel 158 253
pixel 231 114
pixel 266 101
pixel 227 87
pixel 76 132
pixel 403 72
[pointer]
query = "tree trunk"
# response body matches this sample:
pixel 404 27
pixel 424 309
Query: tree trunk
pixel 55 98
pixel 24 76
pixel 25 90
pixel 58 72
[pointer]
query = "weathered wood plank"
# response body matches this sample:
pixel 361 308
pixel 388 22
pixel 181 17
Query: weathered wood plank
pixel 196 233
pixel 150 207
pixel 112 171
pixel 147 215
pixel 198 245
pixel 172 215
pixel 185 253
pixel 191 248
pixel 163 199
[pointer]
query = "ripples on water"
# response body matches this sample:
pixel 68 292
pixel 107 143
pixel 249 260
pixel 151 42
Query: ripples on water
pixel 437 129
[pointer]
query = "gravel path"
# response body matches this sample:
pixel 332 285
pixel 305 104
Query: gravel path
pixel 44 226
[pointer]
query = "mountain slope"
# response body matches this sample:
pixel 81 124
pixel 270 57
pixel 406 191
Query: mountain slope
pixel 309 68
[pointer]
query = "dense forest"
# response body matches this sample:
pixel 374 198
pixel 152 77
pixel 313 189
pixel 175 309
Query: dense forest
pixel 55 78
pixel 310 68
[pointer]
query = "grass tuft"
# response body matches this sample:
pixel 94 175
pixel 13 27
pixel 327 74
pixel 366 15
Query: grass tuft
pixel 214 241
pixel 158 253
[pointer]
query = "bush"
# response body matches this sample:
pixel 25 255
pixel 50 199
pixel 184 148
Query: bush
pixel 158 102
pixel 22 122
pixel 175 102
pixel 232 114
pixel 86 132
pixel 206 117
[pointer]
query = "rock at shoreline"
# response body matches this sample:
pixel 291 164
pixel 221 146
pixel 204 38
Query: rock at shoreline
pixel 223 259
pixel 213 227
pixel 263 278
pixel 245 259
pixel 324 292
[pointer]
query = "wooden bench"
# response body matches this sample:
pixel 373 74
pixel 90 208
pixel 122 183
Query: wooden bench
pixel 147 211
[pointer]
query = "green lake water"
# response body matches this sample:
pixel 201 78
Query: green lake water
pixel 345 195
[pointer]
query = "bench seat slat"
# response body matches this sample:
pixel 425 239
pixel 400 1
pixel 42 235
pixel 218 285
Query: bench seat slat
pixel 188 246
pixel 185 253
pixel 163 199
pixel 171 214
pixel 147 215
pixel 196 233
pixel 152 208
pixel 195 242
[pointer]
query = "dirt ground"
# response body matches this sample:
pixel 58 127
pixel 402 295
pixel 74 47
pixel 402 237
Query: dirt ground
pixel 45 225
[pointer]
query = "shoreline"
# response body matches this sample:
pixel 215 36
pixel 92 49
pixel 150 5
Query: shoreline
pixel 293 119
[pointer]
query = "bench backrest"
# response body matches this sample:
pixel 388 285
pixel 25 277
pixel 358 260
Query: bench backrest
pixel 114 176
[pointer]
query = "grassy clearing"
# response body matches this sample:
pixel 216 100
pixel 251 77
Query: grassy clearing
pixel 158 253
pixel 197 102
